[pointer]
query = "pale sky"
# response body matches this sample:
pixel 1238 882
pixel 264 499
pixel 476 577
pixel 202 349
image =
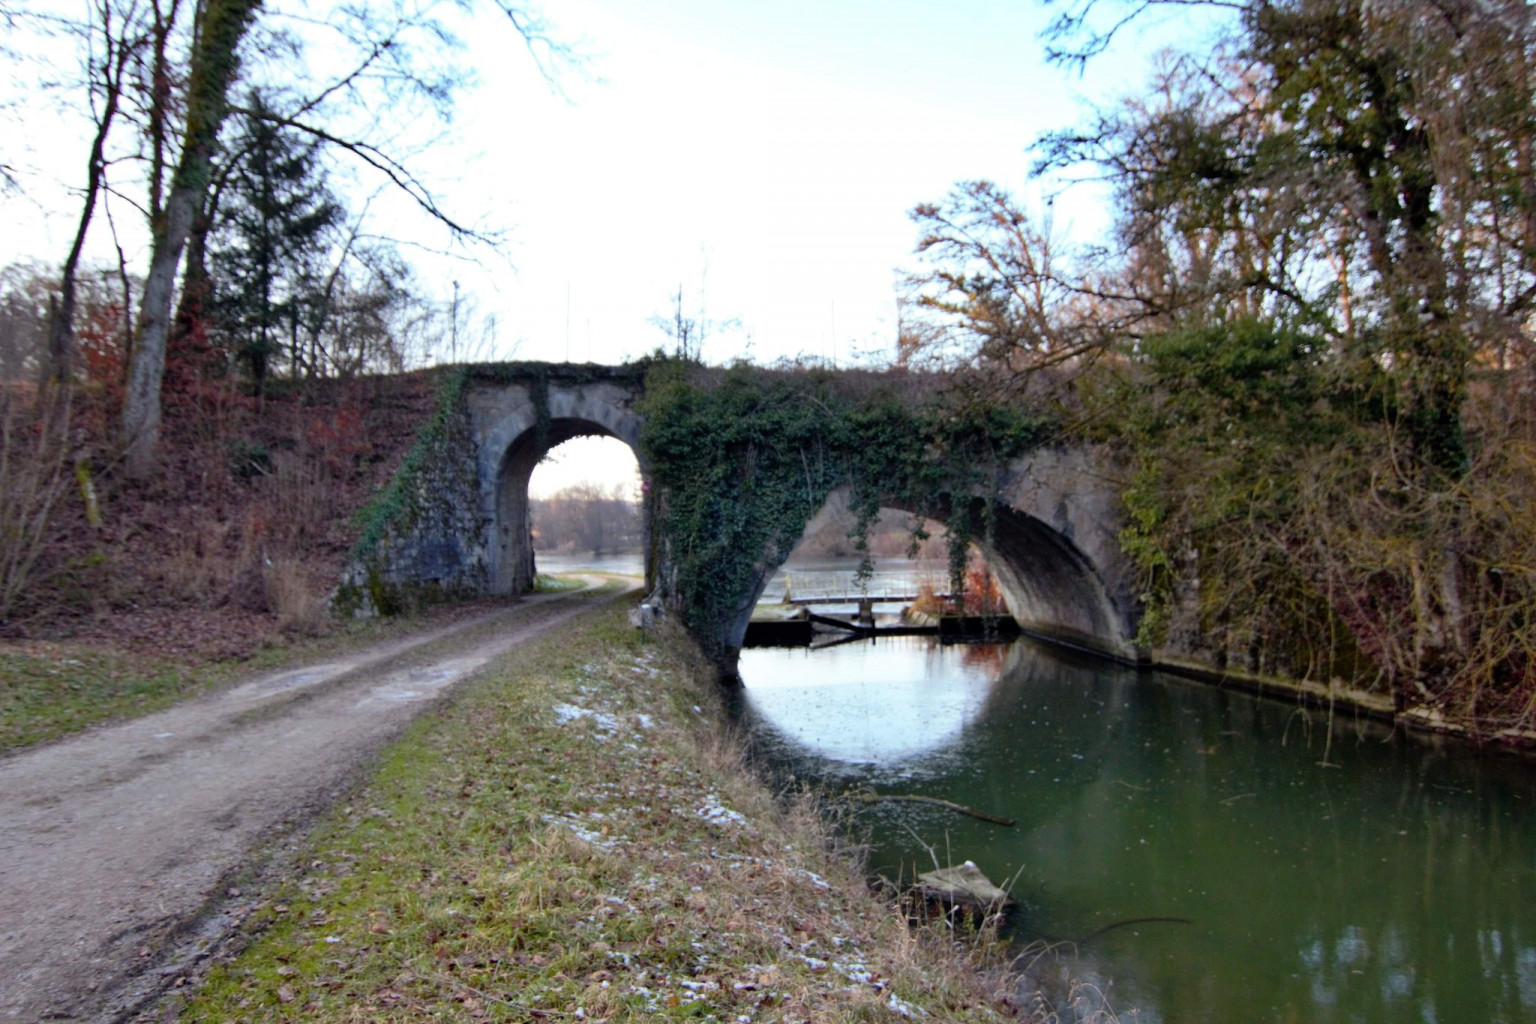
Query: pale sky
pixel 762 156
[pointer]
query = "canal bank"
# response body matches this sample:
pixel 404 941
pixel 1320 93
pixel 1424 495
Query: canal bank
pixel 574 837
pixel 1204 855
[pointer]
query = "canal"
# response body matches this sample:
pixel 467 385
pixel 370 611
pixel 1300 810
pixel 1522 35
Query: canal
pixel 1302 869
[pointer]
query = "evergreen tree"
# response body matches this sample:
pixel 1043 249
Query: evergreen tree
pixel 266 247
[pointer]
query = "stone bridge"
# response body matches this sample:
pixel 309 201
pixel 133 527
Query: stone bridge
pixel 455 520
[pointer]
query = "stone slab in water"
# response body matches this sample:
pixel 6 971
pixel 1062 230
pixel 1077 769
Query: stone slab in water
pixel 963 883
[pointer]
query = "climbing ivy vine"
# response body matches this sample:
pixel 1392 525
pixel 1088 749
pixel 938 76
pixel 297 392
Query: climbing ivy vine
pixel 396 503
pixel 742 459
pixel 396 507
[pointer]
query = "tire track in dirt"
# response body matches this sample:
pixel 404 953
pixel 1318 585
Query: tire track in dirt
pixel 116 846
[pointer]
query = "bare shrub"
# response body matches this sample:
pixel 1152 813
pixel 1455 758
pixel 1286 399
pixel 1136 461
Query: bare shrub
pixel 301 494
pixel 200 568
pixel 928 601
pixel 293 598
pixel 34 474
pixel 1436 585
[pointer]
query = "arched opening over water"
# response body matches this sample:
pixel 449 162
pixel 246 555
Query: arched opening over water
pixel 515 560
pixel 855 701
pixel 1048 584
pixel 909 557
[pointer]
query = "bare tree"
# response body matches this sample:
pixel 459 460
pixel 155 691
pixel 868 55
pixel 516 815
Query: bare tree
pixel 25 293
pixel 211 68
pixel 1320 300
pixel 400 54
pixel 117 34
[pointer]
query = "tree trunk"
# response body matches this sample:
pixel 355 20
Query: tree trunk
pixel 196 285
pixel 60 371
pixel 221 26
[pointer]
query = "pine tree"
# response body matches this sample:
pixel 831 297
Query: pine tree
pixel 274 217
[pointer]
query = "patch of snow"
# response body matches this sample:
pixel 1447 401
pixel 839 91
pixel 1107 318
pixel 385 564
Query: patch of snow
pixel 856 973
pixel 572 713
pixel 587 835
pixel 717 813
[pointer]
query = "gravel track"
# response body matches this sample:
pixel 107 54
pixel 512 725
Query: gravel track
pixel 123 851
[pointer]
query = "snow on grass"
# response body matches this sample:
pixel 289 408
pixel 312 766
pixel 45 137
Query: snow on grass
pixel 717 813
pixel 586 882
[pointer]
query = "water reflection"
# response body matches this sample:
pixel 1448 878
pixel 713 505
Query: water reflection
pixel 885 706
pixel 1328 872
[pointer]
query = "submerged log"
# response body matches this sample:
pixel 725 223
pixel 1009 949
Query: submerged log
pixel 963 885
pixel 869 796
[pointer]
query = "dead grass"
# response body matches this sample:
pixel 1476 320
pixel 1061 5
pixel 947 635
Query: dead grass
pixel 34 476
pixel 575 838
pixel 198 561
pixel 297 600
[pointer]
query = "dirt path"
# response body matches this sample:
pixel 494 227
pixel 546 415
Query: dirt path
pixel 121 850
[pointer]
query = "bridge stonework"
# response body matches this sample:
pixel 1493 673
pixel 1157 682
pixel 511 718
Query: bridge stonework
pixel 456 522
pixel 456 519
pixel 512 436
pixel 1054 550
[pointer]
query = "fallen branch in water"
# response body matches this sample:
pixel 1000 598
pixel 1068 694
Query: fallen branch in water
pixel 869 796
pixel 1035 950
pixel 1130 921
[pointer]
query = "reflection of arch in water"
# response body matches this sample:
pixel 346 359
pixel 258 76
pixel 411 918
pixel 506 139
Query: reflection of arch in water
pixel 1049 582
pixel 1152 796
pixel 869 704
pixel 512 449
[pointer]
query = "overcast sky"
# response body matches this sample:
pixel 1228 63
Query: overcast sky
pixel 762 156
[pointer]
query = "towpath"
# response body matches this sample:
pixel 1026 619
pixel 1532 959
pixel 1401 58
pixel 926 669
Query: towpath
pixel 123 851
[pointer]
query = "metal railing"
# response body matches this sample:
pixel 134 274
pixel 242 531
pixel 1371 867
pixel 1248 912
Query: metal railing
pixel 844 586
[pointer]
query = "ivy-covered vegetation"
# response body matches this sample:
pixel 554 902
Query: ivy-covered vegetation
pixel 741 460
pixel 1312 334
pixel 396 505
pixel 1224 424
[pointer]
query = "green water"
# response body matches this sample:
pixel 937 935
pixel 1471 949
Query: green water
pixel 1326 874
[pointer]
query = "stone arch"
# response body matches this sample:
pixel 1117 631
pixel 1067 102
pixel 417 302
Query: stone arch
pixel 1052 587
pixel 508 455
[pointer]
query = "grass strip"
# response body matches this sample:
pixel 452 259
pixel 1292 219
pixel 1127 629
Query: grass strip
pixel 50 689
pixel 573 836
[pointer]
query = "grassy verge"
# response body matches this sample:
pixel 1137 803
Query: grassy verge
pixel 546 584
pixel 50 689
pixel 572 838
